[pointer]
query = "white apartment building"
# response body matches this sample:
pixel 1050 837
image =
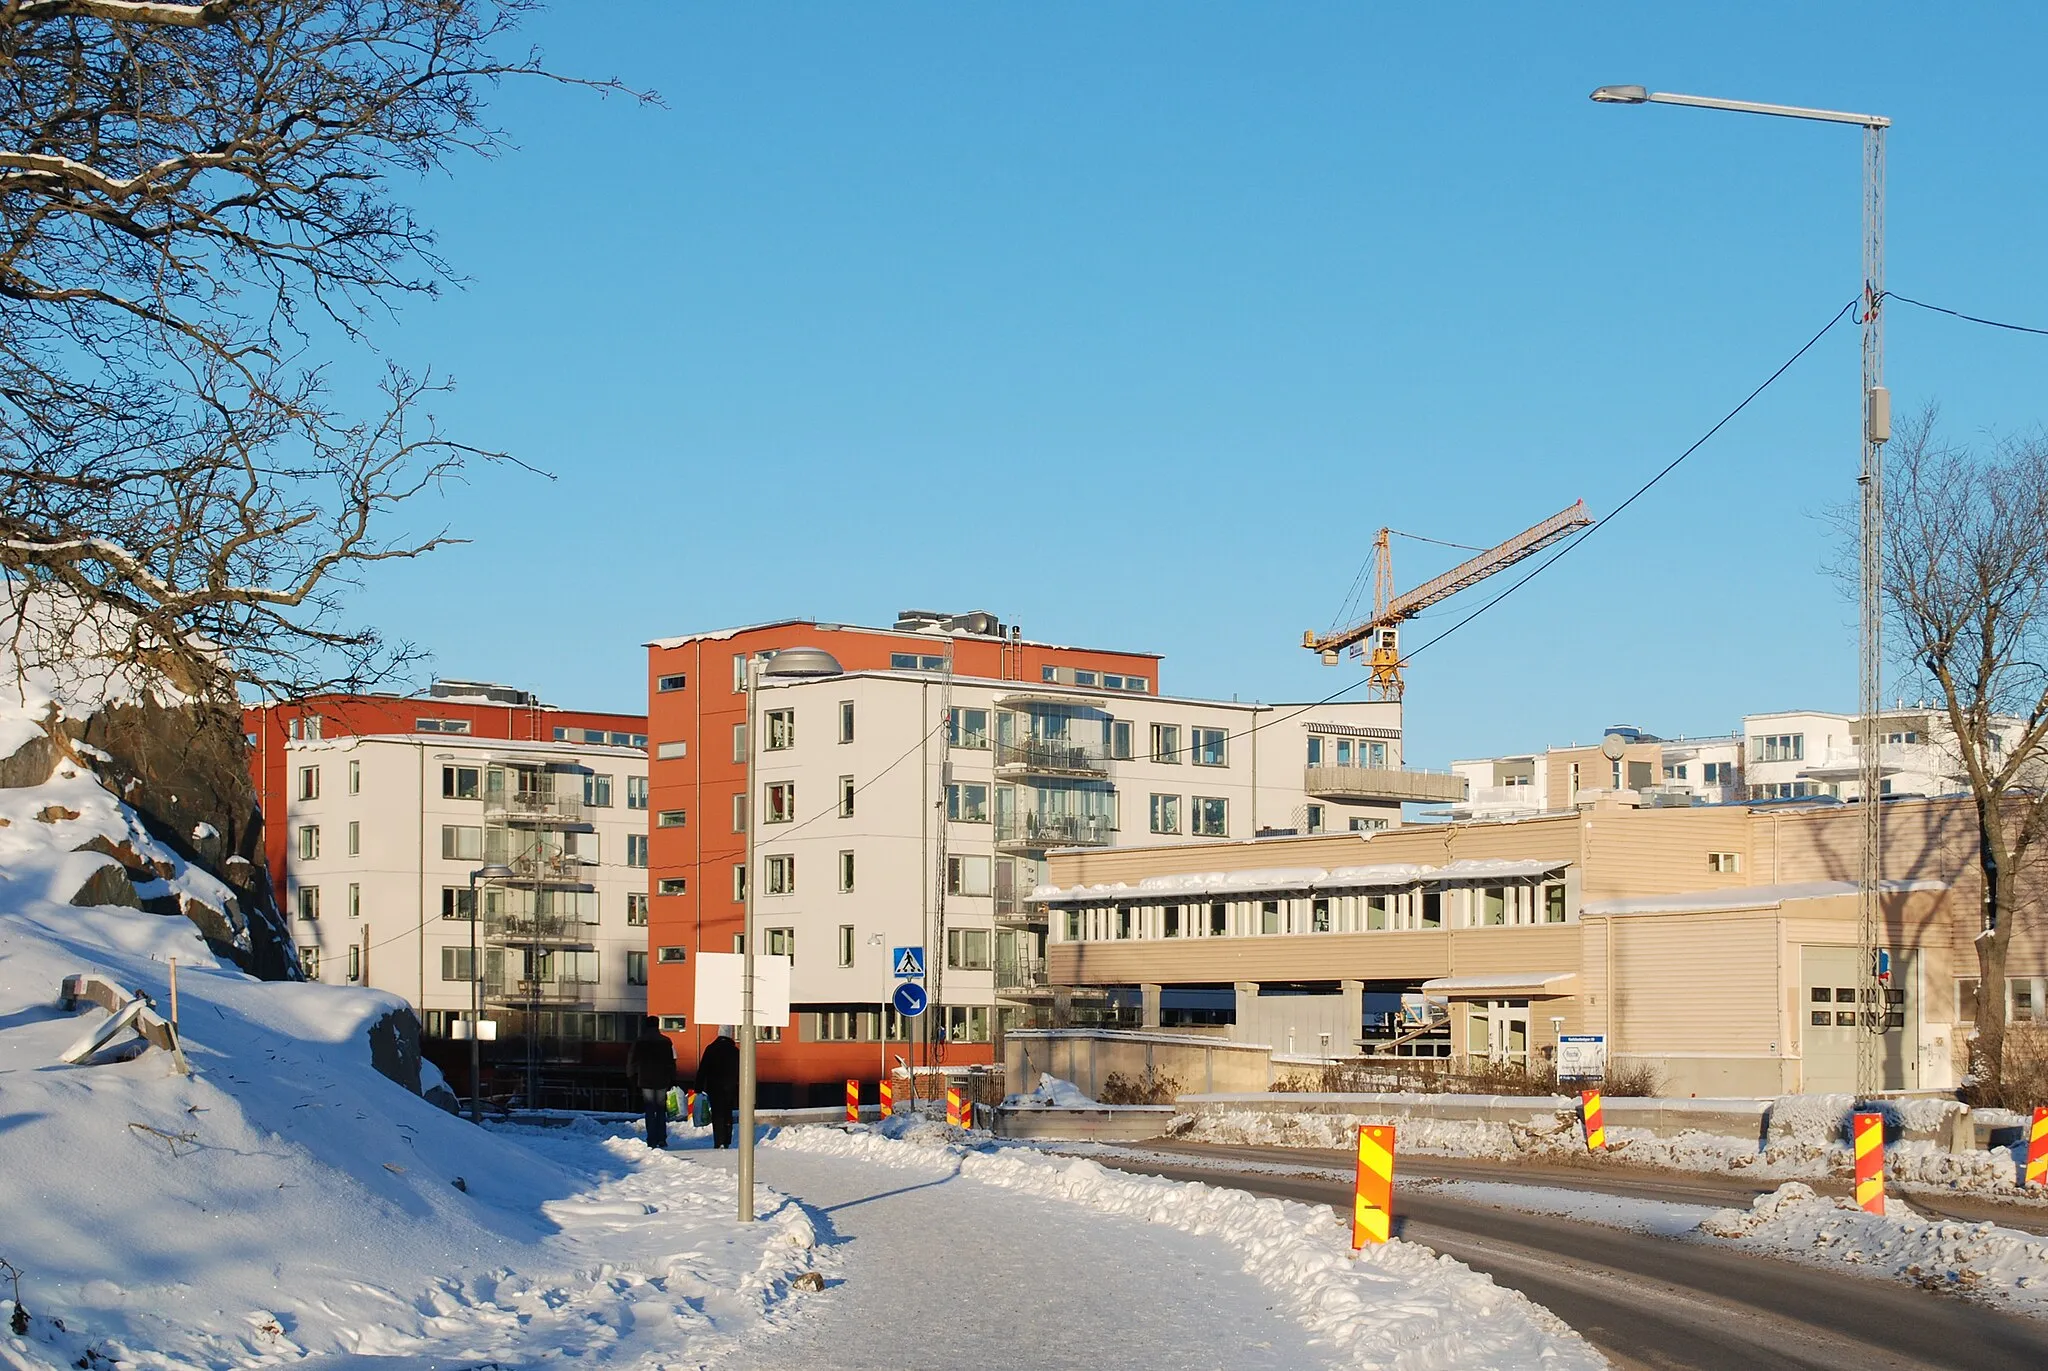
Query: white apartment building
pixel 886 797
pixel 383 832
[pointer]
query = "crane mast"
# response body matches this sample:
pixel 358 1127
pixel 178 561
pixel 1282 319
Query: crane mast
pixel 1391 610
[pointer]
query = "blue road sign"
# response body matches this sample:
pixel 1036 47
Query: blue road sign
pixel 911 1000
pixel 909 963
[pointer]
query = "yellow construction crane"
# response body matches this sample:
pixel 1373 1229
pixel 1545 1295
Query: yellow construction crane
pixel 1391 610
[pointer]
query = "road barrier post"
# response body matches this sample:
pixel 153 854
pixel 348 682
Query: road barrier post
pixel 689 1108
pixel 2037 1149
pixel 953 1106
pixel 1372 1211
pixel 853 1101
pixel 888 1098
pixel 1596 1126
pixel 1868 1133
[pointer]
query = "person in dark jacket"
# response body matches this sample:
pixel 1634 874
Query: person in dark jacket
pixel 651 1069
pixel 718 1076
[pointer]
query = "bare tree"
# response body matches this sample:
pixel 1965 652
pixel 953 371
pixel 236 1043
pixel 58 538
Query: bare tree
pixel 195 199
pixel 1966 589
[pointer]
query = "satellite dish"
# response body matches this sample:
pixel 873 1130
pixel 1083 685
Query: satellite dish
pixel 1612 746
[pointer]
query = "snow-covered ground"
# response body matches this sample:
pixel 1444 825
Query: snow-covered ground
pixel 1398 1305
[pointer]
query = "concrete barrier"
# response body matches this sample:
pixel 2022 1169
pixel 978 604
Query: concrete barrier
pixel 1094 1123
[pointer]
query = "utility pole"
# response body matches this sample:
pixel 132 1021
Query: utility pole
pixel 747 1034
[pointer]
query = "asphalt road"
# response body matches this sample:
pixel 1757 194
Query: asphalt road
pixel 1649 1302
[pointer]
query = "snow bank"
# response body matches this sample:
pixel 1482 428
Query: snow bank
pixel 1981 1260
pixel 1052 1093
pixel 1394 1306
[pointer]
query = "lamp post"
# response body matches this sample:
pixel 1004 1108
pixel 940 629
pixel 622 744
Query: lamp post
pixel 1874 402
pixel 476 976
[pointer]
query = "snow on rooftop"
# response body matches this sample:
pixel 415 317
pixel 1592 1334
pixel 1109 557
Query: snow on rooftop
pixel 1193 884
pixel 1743 897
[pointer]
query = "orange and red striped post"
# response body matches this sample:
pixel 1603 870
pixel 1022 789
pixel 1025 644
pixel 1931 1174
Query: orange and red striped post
pixel 953 1106
pixel 1596 1125
pixel 888 1098
pixel 1868 1134
pixel 853 1101
pixel 1372 1211
pixel 967 1113
pixel 2037 1150
pixel 690 1108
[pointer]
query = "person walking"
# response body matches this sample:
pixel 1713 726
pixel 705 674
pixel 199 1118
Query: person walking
pixel 718 1076
pixel 651 1069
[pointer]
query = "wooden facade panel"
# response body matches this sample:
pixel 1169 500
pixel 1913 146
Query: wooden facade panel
pixel 1698 983
pixel 1663 851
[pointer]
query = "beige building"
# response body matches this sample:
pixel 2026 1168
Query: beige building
pixel 1715 943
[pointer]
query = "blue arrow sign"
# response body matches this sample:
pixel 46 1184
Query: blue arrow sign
pixel 909 962
pixel 910 999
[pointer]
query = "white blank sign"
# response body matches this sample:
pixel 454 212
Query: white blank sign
pixel 719 995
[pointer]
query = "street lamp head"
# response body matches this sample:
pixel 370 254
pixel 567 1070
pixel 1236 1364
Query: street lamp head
pixel 497 871
pixel 1621 95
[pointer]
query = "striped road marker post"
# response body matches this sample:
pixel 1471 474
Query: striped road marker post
pixel 690 1108
pixel 1869 1138
pixel 953 1106
pixel 2037 1149
pixel 888 1098
pixel 1372 1211
pixel 853 1101
pixel 1596 1126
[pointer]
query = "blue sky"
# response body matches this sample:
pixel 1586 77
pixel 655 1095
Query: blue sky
pixel 1132 323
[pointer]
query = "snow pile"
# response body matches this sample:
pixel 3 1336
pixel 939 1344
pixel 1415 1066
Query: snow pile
pixel 1052 1093
pixel 1442 1137
pixel 1980 1260
pixel 1394 1306
pixel 286 1200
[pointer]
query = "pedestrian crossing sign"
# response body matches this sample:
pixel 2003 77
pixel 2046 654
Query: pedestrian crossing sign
pixel 909 963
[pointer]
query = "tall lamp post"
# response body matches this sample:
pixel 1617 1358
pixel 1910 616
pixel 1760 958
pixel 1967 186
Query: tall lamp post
pixel 493 872
pixel 1875 406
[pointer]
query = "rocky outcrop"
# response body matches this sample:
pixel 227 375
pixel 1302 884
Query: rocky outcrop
pixel 395 1047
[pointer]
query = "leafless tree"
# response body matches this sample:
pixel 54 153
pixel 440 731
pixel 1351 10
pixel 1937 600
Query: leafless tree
pixel 1966 591
pixel 196 199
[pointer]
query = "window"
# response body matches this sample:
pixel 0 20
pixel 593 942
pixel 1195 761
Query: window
pixel 1207 745
pixel 1166 813
pixel 355 962
pixel 1790 790
pixel 1212 817
pixel 355 838
pixel 597 791
pixel 739 883
pixel 636 909
pixel 916 661
pixel 636 968
pixel 779 942
pixel 461 843
pixel 458 902
pixel 846 721
pixel 1780 747
pixel 666 685
pixel 846 941
pixel 309 842
pixel 440 725
pixel 1315 818
pixel 1359 825
pixel 460 783
pixel 636 792
pixel 309 782
pixel 967 875
pixel 846 869
pixel 1674 772
pixel 1493 906
pixel 739 742
pixel 1219 919
pixel 1166 743
pixel 672 818
pixel 1319 916
pixel 846 791
pixel 355 778
pixel 1269 916
pixel 1084 678
pixel 1048 673
pixel 355 900
pixel 674 1023
pixel 309 960
pixel 1553 903
pixel 780 874
pixel 781 802
pixel 967 949
pixel 671 954
pixel 1376 913
pixel 1724 862
pixel 309 903
pixel 966 1023
pixel 1315 750
pixel 966 727
pixel 781 730
pixel 739 813
pixel 672 885
pixel 967 802
pixel 1169 920
pixel 636 849
pixel 1120 740
pixel 1717 773
pixel 456 965
pixel 739 672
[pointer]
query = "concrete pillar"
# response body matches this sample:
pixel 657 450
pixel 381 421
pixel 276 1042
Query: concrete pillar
pixel 1247 1026
pixel 1351 1001
pixel 1149 1006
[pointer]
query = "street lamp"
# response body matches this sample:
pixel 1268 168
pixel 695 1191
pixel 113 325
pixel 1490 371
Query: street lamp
pixel 494 872
pixel 1874 402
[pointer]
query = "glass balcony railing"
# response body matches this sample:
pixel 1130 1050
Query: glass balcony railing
pixel 1024 832
pixel 532 807
pixel 1052 757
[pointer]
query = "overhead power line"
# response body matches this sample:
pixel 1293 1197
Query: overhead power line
pixel 1958 314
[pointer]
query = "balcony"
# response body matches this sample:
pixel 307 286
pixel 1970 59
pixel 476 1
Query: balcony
pixel 1383 783
pixel 550 991
pixel 1052 757
pixel 544 807
pixel 1020 975
pixel 548 867
pixel 527 930
pixel 1037 832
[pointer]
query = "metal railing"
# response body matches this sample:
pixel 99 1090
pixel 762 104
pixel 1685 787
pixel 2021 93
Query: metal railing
pixel 547 865
pixel 1382 783
pixel 520 926
pixel 1032 831
pixel 1054 756
pixel 533 806
pixel 549 991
